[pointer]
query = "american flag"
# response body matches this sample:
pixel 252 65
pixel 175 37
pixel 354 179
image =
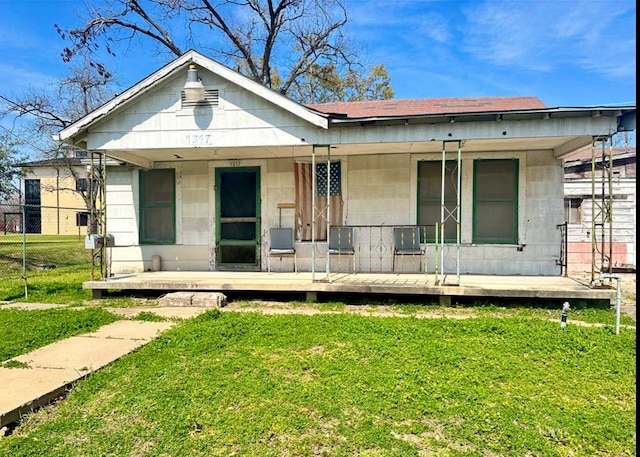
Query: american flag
pixel 321 179
pixel 304 203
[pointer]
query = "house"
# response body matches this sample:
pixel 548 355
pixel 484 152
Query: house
pixel 53 192
pixel 593 215
pixel 201 179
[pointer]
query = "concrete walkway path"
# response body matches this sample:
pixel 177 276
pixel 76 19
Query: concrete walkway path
pixel 50 370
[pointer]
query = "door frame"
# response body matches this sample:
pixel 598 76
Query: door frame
pixel 256 242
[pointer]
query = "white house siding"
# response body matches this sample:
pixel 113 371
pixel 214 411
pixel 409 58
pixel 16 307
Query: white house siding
pixel 623 212
pixel 191 251
pixel 158 122
pixel 378 190
pixel 539 212
pixel 382 191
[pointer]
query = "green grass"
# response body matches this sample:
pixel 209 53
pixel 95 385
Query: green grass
pixel 56 267
pixel 60 285
pixel 41 251
pixel 23 331
pixel 247 384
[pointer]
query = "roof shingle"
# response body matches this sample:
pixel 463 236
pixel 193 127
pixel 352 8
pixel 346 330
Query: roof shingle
pixel 415 107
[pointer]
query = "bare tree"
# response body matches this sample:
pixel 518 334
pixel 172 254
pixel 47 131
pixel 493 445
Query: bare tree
pixel 283 45
pixel 46 112
pixel 9 157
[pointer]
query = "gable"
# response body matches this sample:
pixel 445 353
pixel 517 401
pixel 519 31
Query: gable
pixel 230 117
pixel 175 73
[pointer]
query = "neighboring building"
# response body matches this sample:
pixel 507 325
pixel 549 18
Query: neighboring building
pixel 200 183
pixel 53 196
pixel 615 215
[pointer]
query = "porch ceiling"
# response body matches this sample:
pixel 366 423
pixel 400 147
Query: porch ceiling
pixel 151 156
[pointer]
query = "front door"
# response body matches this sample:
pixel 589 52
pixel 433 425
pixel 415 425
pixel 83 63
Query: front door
pixel 238 218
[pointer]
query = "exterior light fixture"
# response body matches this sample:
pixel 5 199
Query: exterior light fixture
pixel 193 88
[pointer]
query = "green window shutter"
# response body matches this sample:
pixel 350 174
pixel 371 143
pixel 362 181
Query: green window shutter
pixel 430 197
pixel 157 206
pixel 495 201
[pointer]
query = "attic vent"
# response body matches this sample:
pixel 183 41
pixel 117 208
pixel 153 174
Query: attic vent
pixel 211 98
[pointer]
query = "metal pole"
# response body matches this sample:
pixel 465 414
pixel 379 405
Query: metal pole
pixel 58 201
pixel 602 208
pixel 328 211
pixel 313 213
pixel 103 213
pixel 610 205
pixel 618 296
pixel 458 190
pixel 437 281
pixel 444 159
pixel 91 225
pixel 24 247
pixel 593 213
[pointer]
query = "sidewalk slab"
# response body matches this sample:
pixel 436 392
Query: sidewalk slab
pixel 24 389
pixel 32 306
pixel 136 330
pixel 169 312
pixel 51 369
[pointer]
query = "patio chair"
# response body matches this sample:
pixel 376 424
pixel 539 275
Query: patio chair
pixel 281 245
pixel 406 241
pixel 341 243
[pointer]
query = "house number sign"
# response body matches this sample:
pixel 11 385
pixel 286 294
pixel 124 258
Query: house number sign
pixel 235 163
pixel 199 139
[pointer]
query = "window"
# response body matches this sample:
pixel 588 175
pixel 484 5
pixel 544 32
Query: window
pixel 495 201
pixel 82 219
pixel 32 191
pixel 331 184
pixel 430 198
pixel 33 211
pixel 157 206
pixel 82 184
pixel 573 210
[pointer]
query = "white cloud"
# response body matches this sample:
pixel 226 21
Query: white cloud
pixel 597 35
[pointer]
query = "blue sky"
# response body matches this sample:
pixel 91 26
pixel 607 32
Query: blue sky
pixel 566 52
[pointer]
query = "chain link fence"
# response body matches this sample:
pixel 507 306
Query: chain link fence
pixel 37 240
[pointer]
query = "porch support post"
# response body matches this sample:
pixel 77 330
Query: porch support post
pixel 458 214
pixel 444 212
pixel 328 210
pixel 313 213
pixel 442 181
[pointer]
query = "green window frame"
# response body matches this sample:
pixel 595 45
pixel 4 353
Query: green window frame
pixel 495 201
pixel 430 198
pixel 158 206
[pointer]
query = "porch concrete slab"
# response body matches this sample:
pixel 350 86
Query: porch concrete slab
pixel 176 299
pixel 209 299
pixel 206 299
pixel 517 287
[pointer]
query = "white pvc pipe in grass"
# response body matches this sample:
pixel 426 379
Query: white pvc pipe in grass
pixel 618 296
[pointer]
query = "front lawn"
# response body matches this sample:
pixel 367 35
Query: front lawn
pixel 23 331
pixel 247 384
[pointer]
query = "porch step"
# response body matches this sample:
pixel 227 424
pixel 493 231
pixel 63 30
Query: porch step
pixel 205 299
